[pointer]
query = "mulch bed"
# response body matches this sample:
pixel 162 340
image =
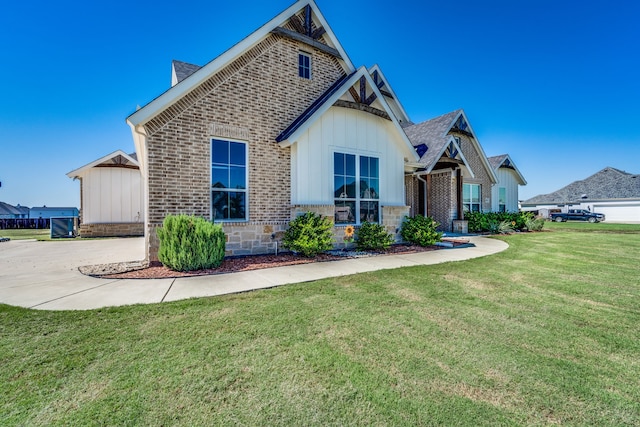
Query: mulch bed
pixel 235 264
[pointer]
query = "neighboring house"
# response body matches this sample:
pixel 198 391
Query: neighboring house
pixel 111 196
pixel 504 194
pixel 453 173
pixel 612 192
pixel 45 212
pixel 8 211
pixel 283 123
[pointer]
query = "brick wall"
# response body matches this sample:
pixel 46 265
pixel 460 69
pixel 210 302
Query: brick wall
pixel 259 94
pixel 443 203
pixel 481 174
pixel 112 230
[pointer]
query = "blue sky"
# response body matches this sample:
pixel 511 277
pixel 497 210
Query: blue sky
pixel 553 83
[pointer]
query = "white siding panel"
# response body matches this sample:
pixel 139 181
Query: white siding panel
pixel 351 131
pixel 112 195
pixel 508 180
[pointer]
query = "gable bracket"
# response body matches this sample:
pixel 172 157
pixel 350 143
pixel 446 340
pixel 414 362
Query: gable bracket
pixel 307 20
pixel 292 35
pixel 370 99
pixel 363 88
pixel 362 107
pixel 453 151
pixel 355 95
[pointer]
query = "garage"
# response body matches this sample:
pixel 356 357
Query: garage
pixel 619 212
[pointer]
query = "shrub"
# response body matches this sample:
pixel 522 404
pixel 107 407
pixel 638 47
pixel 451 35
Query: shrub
pixel 420 230
pixel 309 234
pixel 534 224
pixel 506 227
pixel 372 237
pixel 190 243
pixel 490 221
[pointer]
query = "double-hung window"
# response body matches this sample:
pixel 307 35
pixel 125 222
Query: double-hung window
pixel 228 180
pixel 356 188
pixel 471 197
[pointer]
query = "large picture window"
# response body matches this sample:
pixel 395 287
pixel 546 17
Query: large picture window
pixel 471 197
pixel 356 188
pixel 228 180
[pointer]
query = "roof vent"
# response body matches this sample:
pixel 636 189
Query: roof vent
pixel 584 196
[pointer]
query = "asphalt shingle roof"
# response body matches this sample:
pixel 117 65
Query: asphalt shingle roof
pixel 496 161
pixel 609 183
pixel 184 69
pixel 434 134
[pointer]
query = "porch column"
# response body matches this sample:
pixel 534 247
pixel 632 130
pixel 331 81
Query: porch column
pixel 460 214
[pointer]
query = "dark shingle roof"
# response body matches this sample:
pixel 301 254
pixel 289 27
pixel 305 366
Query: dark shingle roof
pixel 7 209
pixel 609 183
pixel 434 134
pixel 496 161
pixel 184 69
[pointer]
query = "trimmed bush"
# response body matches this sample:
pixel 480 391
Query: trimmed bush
pixel 372 237
pixel 190 243
pixel 420 230
pixel 309 235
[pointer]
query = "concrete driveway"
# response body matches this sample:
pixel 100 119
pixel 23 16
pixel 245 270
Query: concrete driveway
pixel 44 275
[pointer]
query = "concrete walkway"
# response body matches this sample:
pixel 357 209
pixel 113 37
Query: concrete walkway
pixel 45 276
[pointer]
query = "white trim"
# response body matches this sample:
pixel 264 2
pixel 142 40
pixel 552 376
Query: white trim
pixel 513 165
pixel 176 92
pixel 362 72
pixel 476 144
pixel 452 139
pixel 76 173
pixel 396 100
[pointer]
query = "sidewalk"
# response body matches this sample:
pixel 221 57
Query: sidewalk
pixel 45 276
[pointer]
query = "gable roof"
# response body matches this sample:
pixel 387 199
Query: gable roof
pixel 434 134
pixel 181 70
pixel 7 209
pixel 607 184
pixel 504 160
pixel 117 158
pixel 176 92
pixel 391 97
pixel 330 97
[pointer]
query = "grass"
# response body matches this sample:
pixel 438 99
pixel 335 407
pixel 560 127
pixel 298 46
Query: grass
pixel 600 227
pixel 543 333
pixel 38 234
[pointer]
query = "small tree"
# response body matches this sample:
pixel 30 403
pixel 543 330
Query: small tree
pixel 420 230
pixel 190 243
pixel 309 234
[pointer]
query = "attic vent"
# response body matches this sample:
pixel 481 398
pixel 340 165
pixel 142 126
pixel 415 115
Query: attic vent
pixel 421 149
pixel 584 196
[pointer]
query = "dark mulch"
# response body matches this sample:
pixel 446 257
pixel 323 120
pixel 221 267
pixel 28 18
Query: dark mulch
pixel 254 262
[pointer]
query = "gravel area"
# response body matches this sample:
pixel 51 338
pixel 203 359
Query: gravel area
pixel 141 270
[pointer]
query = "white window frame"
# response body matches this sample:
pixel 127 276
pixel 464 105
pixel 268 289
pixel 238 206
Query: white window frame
pixel 357 200
pixel 468 204
pixel 229 190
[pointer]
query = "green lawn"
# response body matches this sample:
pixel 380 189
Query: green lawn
pixel 547 332
pixel 38 234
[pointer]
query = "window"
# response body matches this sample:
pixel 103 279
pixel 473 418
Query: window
pixel 471 197
pixel 304 65
pixel 228 180
pixel 502 199
pixel 356 188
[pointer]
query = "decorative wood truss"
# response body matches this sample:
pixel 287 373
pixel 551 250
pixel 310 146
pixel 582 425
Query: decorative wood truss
pixel 306 31
pixel 362 101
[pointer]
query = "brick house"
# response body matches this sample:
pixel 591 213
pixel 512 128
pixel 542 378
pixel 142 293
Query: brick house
pixel 284 123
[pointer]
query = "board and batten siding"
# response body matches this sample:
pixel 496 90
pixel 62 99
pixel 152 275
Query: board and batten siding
pixel 112 195
pixel 349 131
pixel 507 179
